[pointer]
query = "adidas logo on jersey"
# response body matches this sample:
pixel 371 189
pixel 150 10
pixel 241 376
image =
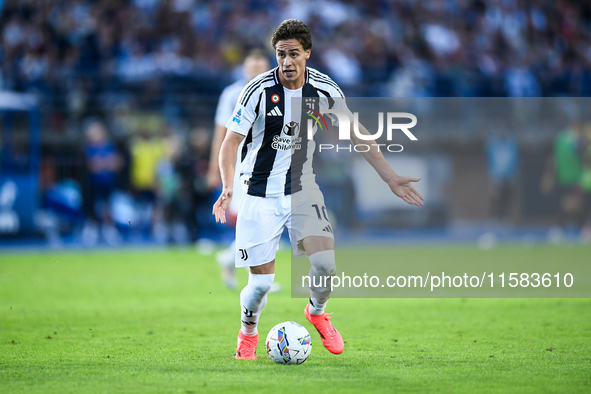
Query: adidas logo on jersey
pixel 274 112
pixel 327 229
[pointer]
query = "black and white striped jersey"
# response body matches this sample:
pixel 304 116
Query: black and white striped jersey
pixel 263 114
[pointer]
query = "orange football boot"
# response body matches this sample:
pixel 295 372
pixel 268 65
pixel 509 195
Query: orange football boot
pixel 331 339
pixel 246 348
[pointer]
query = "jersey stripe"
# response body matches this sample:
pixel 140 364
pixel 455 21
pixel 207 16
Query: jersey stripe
pixel 314 79
pixel 293 177
pixel 253 89
pixel 249 136
pixel 324 79
pixel 257 82
pixel 327 95
pixel 287 187
pixel 250 86
pixel 266 155
pixel 247 141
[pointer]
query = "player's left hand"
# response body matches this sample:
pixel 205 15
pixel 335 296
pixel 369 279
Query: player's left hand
pixel 402 187
pixel 220 206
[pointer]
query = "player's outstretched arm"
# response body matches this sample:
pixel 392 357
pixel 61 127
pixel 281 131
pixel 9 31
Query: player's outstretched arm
pixel 227 164
pixel 400 185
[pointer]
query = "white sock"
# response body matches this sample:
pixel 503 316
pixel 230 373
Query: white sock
pixel 317 307
pixel 253 299
pixel 323 266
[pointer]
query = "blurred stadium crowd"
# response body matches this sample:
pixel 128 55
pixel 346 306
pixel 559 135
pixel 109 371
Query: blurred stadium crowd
pixel 128 89
pixel 379 47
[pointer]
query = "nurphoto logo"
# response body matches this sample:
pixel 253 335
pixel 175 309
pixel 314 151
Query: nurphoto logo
pixel 345 129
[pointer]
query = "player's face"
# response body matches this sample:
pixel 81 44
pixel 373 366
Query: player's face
pixel 291 59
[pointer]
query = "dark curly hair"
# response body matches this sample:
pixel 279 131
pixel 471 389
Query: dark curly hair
pixel 293 29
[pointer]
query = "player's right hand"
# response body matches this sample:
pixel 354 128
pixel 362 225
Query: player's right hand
pixel 220 206
pixel 402 187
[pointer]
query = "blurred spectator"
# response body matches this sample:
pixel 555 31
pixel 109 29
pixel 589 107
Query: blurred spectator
pixel 170 224
pixel 534 48
pixel 103 165
pixel 564 171
pixel 503 162
pixel 147 149
pixel 193 167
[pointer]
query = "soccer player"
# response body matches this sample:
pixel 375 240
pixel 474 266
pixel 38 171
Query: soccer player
pixel 263 112
pixel 255 63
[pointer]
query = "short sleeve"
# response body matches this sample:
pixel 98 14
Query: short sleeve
pixel 340 103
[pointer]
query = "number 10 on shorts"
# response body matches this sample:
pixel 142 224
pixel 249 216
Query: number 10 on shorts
pixel 323 208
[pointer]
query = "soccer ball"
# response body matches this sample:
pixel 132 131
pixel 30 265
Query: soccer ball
pixel 289 343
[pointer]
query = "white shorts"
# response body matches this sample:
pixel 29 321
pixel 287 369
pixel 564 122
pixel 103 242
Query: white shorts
pixel 261 221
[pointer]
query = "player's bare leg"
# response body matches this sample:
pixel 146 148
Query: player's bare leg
pixel 320 251
pixel 253 299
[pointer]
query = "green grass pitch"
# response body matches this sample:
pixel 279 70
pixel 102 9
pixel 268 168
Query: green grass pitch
pixel 162 321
